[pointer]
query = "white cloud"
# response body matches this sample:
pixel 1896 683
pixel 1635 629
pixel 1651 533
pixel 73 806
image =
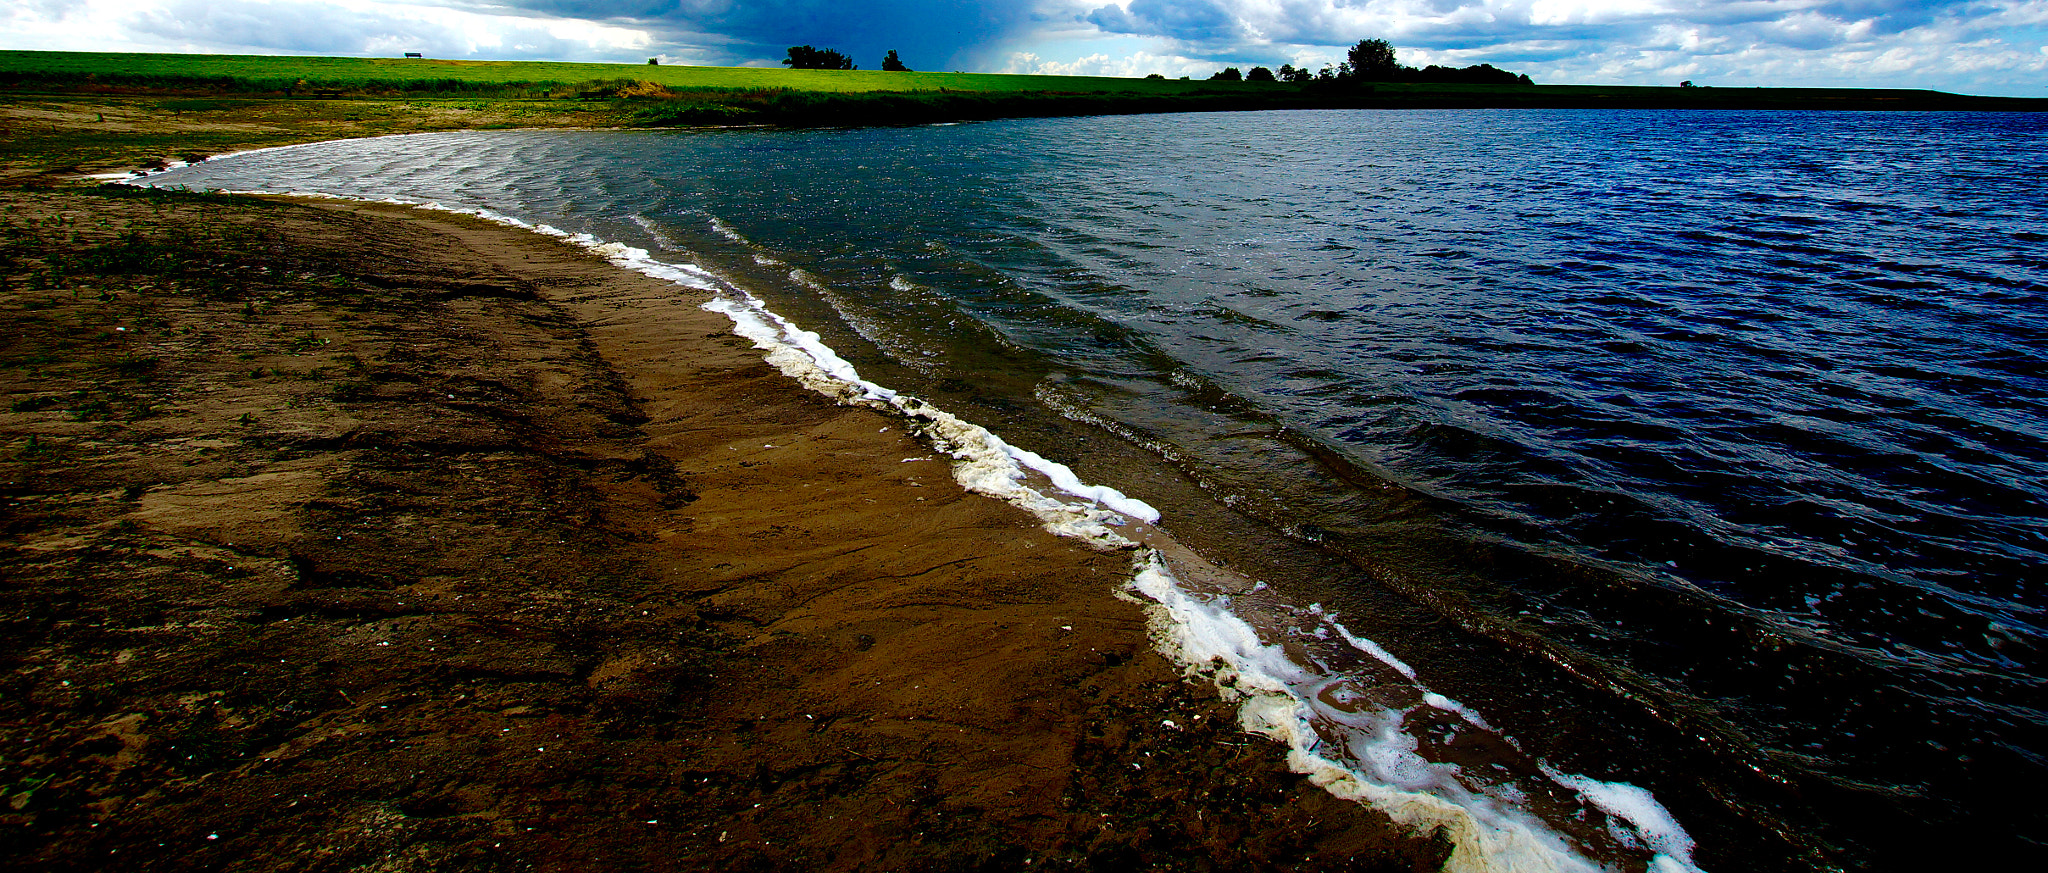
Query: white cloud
pixel 1979 46
pixel 298 27
pixel 1135 65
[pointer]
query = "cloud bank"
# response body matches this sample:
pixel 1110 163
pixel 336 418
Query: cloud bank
pixel 1975 46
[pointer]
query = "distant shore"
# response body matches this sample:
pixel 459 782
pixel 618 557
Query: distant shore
pixel 239 92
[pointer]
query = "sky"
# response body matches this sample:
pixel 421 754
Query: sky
pixel 1997 47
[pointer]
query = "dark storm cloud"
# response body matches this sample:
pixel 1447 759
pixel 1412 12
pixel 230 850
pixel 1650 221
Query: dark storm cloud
pixel 930 34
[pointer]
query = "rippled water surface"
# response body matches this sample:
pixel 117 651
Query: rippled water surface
pixel 1720 437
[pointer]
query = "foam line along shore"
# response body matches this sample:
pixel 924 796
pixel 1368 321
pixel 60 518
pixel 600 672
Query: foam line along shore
pixel 1357 748
pixel 547 531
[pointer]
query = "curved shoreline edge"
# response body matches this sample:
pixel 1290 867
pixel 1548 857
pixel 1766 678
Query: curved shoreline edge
pixel 1199 633
pixel 502 557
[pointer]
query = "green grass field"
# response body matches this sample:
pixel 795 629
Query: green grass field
pixel 277 73
pixel 73 72
pixel 71 112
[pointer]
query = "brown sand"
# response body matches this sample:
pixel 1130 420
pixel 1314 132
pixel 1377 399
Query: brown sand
pixel 385 539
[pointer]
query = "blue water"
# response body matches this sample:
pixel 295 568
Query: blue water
pixel 1725 433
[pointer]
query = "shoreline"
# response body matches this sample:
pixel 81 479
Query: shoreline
pixel 1269 690
pixel 1276 693
pixel 1034 708
pixel 1445 830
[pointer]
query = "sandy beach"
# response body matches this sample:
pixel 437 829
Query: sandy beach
pixel 344 536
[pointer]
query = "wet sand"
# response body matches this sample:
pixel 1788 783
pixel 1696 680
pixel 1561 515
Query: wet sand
pixel 361 537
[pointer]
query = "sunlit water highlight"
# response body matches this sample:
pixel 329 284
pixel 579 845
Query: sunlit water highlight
pixel 1697 451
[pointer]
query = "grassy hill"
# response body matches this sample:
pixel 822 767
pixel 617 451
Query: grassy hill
pixel 840 96
pixel 72 112
pixel 267 73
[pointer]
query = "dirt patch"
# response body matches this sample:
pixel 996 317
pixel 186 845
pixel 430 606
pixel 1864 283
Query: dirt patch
pixel 358 538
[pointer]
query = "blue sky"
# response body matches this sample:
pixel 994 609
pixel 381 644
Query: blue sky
pixel 1971 46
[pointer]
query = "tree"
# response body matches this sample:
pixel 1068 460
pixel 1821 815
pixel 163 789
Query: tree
pixel 1288 73
pixel 1259 74
pixel 803 57
pixel 894 64
pixel 1477 74
pixel 1227 74
pixel 1373 60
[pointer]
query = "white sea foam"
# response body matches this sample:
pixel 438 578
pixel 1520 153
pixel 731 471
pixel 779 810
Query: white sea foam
pixel 984 463
pixel 1364 645
pixel 1274 692
pixel 654 231
pixel 725 230
pixel 1362 754
pixel 1648 819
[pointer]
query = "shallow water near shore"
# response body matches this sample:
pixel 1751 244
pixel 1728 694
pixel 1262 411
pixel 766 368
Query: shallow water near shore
pixel 1576 453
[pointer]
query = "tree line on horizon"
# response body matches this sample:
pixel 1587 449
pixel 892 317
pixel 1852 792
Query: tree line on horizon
pixel 803 57
pixel 1372 60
